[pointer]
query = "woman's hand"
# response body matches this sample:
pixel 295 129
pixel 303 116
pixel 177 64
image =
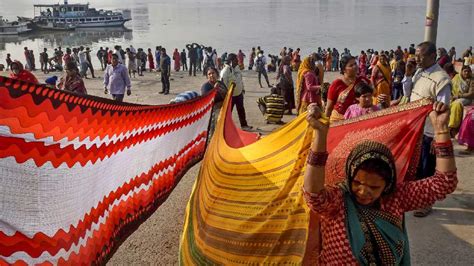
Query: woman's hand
pixel 439 117
pixel 383 99
pixel 313 116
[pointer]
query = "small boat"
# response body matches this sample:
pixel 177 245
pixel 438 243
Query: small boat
pixel 79 15
pixel 13 28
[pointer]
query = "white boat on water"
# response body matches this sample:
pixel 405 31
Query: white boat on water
pixel 49 25
pixel 12 28
pixel 79 15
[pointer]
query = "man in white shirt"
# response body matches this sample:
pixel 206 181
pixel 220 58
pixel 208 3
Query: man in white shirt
pixel 231 74
pixel 429 81
pixel 83 62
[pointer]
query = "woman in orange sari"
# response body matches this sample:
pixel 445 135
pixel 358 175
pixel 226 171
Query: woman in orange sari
pixel 296 60
pixel 381 79
pixel 308 89
pixel 341 93
pixel 328 59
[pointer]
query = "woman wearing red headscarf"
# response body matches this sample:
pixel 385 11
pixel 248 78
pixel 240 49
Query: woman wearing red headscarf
pixel 19 73
pixel 177 60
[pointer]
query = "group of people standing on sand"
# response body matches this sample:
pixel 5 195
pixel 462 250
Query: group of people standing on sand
pixel 372 81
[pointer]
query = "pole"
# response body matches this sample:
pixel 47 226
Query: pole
pixel 431 24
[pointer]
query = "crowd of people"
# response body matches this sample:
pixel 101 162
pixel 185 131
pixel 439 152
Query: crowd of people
pixel 369 82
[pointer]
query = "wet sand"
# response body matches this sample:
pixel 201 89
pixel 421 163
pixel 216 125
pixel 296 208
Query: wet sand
pixel 156 241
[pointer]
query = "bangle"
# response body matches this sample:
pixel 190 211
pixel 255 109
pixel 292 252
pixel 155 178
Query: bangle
pixel 317 158
pixel 444 149
pixel 447 143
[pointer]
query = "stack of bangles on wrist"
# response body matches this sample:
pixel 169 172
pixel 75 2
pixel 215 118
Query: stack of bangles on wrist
pixel 317 158
pixel 444 149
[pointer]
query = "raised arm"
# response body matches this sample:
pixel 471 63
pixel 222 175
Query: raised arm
pixel 314 175
pixel 419 194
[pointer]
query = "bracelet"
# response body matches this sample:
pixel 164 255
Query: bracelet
pixel 444 149
pixel 317 158
pixel 442 132
pixel 447 143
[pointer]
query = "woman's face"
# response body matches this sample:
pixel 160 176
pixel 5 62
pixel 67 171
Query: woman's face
pixel 383 60
pixel 212 76
pixel 367 187
pixel 365 100
pixel 466 73
pixel 351 68
pixel 71 72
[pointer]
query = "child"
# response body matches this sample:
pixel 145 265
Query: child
pixel 51 82
pixel 272 107
pixel 363 93
pixel 407 82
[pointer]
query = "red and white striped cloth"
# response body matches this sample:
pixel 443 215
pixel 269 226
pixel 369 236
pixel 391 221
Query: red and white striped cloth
pixel 78 174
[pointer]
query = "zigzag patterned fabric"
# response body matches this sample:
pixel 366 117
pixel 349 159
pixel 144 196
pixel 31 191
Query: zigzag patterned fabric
pixel 247 206
pixel 79 174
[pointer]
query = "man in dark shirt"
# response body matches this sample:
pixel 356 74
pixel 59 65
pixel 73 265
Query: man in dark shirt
pixel 192 54
pixel 44 58
pixel 165 66
pixel 184 62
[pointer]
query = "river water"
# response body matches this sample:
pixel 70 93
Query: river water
pixel 241 24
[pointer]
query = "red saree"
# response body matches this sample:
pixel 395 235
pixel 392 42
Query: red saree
pixel 399 128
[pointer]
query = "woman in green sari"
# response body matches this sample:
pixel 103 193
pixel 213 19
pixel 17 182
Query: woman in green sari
pixel 462 95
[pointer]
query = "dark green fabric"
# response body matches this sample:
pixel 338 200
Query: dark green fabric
pixel 391 233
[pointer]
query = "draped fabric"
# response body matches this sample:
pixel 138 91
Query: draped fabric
pixel 78 174
pixel 247 205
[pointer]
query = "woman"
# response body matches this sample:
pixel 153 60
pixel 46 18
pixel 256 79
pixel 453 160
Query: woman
pixel 462 95
pixel 466 133
pixel 285 84
pixel 443 58
pixel 328 60
pixel 296 60
pixel 308 89
pixel 363 64
pixel 362 218
pixel 240 59
pixel 341 92
pixel 19 73
pixel 177 60
pixel 381 78
pixel 71 81
pixel 213 82
pixel 151 60
pixel 405 55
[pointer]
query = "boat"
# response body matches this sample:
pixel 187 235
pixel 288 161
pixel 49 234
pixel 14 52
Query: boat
pixel 78 16
pixel 54 26
pixel 13 28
